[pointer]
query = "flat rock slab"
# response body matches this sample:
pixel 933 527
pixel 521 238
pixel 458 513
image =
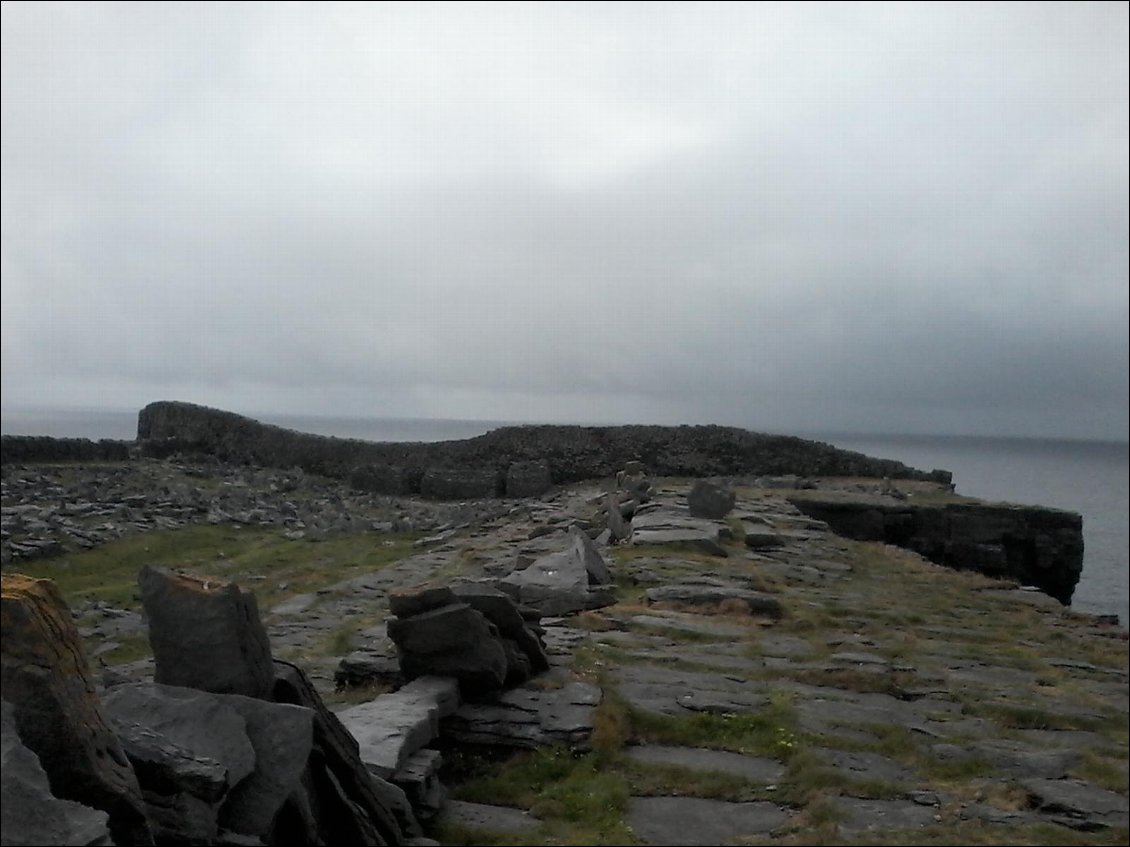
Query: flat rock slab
pixel 753 768
pixel 866 767
pixel 529 717
pixel 1078 804
pixel 670 691
pixel 881 815
pixel 695 624
pixel 490 818
pixel 392 727
pixel 694 821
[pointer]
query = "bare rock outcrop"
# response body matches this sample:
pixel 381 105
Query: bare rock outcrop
pixel 708 499
pixel 47 679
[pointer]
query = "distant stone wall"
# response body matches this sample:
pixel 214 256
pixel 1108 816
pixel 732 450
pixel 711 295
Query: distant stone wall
pixel 482 465
pixel 1033 545
pixel 29 448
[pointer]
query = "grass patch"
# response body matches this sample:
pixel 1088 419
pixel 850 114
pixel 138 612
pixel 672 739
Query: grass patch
pixel 261 560
pixel 571 795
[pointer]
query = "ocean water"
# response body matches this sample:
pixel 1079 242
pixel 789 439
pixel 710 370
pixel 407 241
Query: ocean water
pixel 1088 477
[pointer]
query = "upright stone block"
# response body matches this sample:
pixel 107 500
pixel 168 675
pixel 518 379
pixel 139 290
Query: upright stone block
pixel 206 634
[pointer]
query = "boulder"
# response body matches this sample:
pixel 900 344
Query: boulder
pixel 710 500
pixel 182 790
pixel 46 678
pixel 29 812
pixel 206 634
pixel 528 479
pixel 571 580
pixel 454 640
pixel 499 608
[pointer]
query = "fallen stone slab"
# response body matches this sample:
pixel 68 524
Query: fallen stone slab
pixel 694 821
pixel 753 768
pixel 567 581
pixel 29 812
pixel 392 727
pixel 668 527
pixel 500 819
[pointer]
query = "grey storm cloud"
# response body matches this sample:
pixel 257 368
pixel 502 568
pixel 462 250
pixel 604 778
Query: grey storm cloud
pixel 781 216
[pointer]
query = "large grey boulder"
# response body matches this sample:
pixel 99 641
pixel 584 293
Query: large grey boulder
pixel 182 790
pixel 263 746
pixel 29 812
pixel 570 580
pixel 196 721
pixel 710 500
pixel 45 676
pixel 206 634
pixel 452 640
pixel 499 608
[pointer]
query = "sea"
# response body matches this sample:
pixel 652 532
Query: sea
pixel 1088 477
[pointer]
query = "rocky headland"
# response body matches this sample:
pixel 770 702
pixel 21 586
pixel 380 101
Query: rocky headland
pixel 633 657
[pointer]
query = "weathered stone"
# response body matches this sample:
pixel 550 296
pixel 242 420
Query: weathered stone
pixel 861 815
pixel 203 724
pixel 499 608
pixel 454 640
pixel 182 790
pixel 29 812
pixel 392 727
pixel 206 634
pixel 527 717
pixel 419 779
pixel 710 500
pixel 563 582
pixel 380 479
pixel 618 528
pixel 1078 804
pixel 356 807
pixel 405 602
pixel 282 736
pixel 46 678
pixel 528 479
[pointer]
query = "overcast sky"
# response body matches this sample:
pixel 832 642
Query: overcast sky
pixel 786 217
